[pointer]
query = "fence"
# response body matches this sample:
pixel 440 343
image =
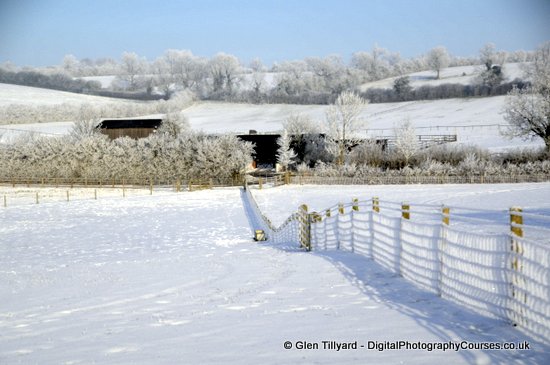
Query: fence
pixel 494 262
pixel 419 179
pixel 275 180
pixel 37 190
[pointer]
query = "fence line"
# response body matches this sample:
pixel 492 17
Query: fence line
pixel 276 180
pixel 419 179
pixel 499 268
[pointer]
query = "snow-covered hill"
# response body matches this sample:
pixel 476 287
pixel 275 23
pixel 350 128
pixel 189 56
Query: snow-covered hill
pixel 475 121
pixel 27 95
pixel 465 75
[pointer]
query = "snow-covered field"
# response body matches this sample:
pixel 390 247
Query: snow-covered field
pixel 532 197
pixel 26 95
pixel 475 121
pixel 176 278
pixel 464 75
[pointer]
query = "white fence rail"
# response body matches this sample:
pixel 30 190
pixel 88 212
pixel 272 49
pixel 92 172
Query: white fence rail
pixel 494 262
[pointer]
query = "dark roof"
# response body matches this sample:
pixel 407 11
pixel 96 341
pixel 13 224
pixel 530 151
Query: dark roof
pixel 129 123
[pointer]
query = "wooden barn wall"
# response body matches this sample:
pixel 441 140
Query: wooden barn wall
pixel 129 132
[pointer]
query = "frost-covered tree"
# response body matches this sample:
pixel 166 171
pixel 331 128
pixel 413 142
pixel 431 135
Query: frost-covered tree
pixel 528 110
pixel 487 55
pixel 374 64
pixel 343 123
pixel 402 87
pixel 291 80
pixel 330 75
pixel 181 68
pixel 493 61
pixel 173 124
pixel 285 154
pixel 299 124
pixel 86 125
pixel 71 65
pixel 224 69
pixel 131 67
pixel 528 113
pixel 406 141
pixel 438 59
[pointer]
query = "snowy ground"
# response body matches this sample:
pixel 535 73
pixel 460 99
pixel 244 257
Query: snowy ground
pixel 464 75
pixel 175 278
pixel 27 95
pixel 475 121
pixel 532 197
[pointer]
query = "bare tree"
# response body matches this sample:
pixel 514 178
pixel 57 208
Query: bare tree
pixel 71 65
pixel 374 64
pixel 343 123
pixel 438 59
pixel 487 55
pixel 132 66
pixel 223 70
pixel 528 110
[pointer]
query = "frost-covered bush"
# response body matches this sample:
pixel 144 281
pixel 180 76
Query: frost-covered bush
pixel 164 156
pixel 367 153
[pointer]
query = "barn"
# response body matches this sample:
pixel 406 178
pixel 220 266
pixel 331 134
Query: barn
pixel 133 128
pixel 265 148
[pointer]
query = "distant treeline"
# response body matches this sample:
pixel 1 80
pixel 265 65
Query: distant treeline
pixel 443 91
pixel 63 82
pixel 56 81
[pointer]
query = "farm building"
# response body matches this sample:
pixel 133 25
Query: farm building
pixel 133 128
pixel 265 146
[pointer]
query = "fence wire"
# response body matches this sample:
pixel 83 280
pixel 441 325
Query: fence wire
pixel 501 272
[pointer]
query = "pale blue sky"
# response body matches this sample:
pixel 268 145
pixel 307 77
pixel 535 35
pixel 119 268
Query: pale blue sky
pixel 41 32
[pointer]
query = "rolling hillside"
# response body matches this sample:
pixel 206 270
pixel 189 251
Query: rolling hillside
pixel 475 121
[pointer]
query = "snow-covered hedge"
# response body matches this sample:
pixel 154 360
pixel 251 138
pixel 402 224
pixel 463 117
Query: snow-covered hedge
pixel 158 157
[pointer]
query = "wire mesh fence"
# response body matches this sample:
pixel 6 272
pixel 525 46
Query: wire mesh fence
pixel 494 262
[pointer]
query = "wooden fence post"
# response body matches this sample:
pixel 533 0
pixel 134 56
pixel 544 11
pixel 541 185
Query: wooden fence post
pixel 376 204
pixel 446 215
pixel 260 185
pixel 445 221
pixel 516 231
pixel 5 201
pixel 95 194
pixel 67 195
pixel 405 211
pixel 36 197
pixel 305 227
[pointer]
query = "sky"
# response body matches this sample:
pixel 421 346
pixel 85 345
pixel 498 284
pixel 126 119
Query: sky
pixel 42 32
